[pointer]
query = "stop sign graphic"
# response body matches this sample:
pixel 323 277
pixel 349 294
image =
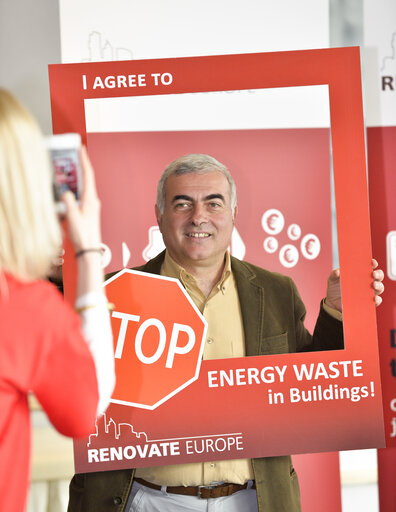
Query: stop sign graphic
pixel 159 336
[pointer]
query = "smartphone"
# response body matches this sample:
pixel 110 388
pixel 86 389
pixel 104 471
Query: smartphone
pixel 64 152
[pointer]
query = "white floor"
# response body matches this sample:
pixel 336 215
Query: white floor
pixel 359 488
pixel 362 498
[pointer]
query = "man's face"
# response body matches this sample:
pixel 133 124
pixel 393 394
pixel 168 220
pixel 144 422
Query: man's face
pixel 197 221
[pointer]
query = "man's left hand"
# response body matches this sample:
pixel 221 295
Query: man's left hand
pixel 333 297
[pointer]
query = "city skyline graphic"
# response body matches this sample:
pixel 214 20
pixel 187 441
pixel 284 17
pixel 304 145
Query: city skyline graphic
pixel 124 431
pixel 116 430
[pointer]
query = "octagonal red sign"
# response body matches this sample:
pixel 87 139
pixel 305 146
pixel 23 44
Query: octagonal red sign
pixel 159 336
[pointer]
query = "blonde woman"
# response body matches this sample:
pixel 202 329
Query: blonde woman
pixel 65 358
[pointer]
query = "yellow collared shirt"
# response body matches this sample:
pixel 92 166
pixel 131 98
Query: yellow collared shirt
pixel 225 338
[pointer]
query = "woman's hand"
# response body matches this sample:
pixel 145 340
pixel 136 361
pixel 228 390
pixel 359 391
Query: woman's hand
pixel 84 220
pixel 84 231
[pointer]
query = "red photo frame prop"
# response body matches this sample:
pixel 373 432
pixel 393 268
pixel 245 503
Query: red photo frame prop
pixel 289 427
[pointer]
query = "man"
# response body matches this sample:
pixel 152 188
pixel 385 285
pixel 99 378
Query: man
pixel 250 311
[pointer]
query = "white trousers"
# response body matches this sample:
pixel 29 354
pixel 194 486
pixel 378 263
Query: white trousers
pixel 144 499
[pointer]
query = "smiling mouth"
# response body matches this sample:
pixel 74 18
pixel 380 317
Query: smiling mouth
pixel 198 235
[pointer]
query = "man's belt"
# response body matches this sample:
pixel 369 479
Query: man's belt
pixel 200 491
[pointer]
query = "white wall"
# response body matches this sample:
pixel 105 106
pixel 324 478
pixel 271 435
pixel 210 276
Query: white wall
pixel 29 41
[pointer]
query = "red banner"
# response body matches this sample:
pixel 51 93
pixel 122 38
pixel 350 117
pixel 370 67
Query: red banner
pixel 289 232
pixel 380 110
pixel 381 150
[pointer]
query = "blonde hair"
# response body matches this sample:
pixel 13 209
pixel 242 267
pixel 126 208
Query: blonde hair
pixel 30 236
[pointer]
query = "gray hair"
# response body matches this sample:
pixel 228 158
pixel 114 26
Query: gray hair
pixel 194 163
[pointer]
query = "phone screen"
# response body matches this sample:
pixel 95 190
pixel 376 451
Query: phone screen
pixel 66 171
pixel 65 156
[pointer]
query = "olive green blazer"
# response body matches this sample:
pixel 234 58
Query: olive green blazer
pixel 273 320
